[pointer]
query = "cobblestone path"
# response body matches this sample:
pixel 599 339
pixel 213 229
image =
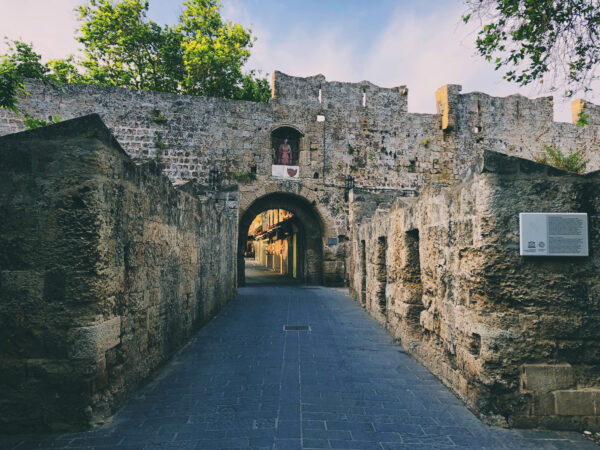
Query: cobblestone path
pixel 244 382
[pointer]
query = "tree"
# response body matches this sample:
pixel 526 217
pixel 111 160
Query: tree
pixel 124 48
pixel 64 71
pixel 22 62
pixel 214 51
pixel 19 63
pixel 556 42
pixel 201 55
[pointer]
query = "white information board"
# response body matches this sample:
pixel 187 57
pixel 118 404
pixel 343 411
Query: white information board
pixel 552 234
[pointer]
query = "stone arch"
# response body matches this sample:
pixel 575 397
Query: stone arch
pixel 312 231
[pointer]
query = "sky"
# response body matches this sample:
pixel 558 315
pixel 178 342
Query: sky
pixel 421 44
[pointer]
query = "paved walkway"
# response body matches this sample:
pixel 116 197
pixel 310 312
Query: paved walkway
pixel 257 274
pixel 244 382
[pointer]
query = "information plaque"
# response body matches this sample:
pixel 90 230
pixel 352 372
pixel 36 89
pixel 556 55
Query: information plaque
pixel 552 234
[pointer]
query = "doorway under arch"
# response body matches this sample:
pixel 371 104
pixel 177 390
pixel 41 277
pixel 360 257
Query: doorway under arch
pixel 310 235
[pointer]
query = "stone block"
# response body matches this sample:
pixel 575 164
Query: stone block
pixel 88 342
pixel 576 402
pixel 304 158
pixel 409 311
pixel 446 98
pixel 541 378
pixel 427 320
pixel 577 107
pixel 543 404
pixel 499 163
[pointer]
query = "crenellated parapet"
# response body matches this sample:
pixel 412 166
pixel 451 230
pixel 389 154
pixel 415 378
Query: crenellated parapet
pixel 341 133
pixel 317 91
pixel 584 113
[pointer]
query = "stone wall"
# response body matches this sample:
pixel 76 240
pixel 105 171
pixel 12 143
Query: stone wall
pixel 514 125
pixel 516 338
pixel 106 269
pixel 347 129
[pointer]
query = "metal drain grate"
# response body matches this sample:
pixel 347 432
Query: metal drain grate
pixel 296 328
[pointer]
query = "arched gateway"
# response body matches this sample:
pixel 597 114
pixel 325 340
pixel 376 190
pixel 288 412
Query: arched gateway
pixel 310 254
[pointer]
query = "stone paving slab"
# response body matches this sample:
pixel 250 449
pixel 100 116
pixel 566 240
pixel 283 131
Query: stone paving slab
pixel 244 382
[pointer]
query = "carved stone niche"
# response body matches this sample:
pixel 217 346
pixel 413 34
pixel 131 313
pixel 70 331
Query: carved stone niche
pixel 286 139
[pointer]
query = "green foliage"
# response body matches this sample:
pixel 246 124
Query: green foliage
pixel 537 39
pixel 426 142
pixel 64 71
pixel 201 55
pixel 575 161
pixel 124 48
pixel 582 119
pixel 371 156
pixel 160 147
pixel 19 63
pixel 350 149
pixel 243 177
pixel 213 51
pixel 158 117
pixel 23 62
pixel 26 61
pixel 412 167
pixel 11 85
pixel 32 123
pixel 253 89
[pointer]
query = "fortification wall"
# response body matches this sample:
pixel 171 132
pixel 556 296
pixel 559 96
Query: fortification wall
pixel 516 338
pixel 514 125
pixel 356 130
pixel 106 269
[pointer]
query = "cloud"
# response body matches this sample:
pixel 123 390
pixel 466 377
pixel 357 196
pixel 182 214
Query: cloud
pixel 295 49
pixel 48 24
pixel 427 52
pixel 423 50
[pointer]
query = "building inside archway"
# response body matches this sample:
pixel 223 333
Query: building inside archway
pixel 274 248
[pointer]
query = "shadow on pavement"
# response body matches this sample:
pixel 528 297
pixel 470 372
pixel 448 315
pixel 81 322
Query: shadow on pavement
pixel 257 274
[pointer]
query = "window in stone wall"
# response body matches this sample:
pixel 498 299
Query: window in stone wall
pixel 381 273
pixel 285 142
pixel 412 275
pixel 363 273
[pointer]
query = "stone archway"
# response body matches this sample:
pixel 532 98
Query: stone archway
pixel 312 232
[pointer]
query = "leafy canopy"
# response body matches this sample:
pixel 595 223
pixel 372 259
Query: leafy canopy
pixel 19 63
pixel 552 41
pixel 200 55
pixel 123 48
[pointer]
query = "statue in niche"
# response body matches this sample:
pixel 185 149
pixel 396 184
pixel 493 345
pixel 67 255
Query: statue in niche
pixel 284 153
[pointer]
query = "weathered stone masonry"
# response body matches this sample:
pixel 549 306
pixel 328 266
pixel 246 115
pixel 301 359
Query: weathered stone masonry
pixel 516 338
pixel 367 133
pixel 105 270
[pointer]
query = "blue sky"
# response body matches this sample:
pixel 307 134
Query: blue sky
pixel 421 44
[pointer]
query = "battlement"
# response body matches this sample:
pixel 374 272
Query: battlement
pixel 316 90
pixel 452 105
pixel 357 129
